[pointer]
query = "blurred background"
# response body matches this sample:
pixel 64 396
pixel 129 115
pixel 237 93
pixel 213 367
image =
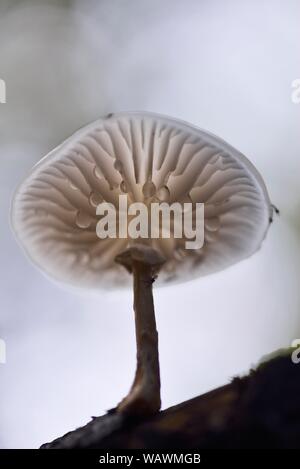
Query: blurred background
pixel 226 66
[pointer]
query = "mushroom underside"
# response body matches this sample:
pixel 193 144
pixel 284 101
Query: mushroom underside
pixel 146 158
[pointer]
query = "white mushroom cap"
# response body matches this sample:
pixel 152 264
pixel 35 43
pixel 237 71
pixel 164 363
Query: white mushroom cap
pixel 148 157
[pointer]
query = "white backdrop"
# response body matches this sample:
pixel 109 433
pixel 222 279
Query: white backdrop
pixel 225 66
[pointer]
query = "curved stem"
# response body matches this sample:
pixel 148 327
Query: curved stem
pixel 144 395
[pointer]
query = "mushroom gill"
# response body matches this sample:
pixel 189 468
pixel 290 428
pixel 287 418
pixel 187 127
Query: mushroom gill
pixel 148 158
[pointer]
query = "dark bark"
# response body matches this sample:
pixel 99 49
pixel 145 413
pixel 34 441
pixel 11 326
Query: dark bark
pixel 261 410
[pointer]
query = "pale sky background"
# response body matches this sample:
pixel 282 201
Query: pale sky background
pixel 226 66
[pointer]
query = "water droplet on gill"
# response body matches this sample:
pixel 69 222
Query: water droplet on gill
pixel 72 185
pixel 163 193
pixel 212 224
pixel 123 186
pixel 82 220
pixel 149 189
pixel 98 173
pixel 118 165
pixel 95 199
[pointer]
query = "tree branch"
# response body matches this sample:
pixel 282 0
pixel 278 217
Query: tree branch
pixel 261 410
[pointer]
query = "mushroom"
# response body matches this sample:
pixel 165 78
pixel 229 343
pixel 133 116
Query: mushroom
pixel 147 158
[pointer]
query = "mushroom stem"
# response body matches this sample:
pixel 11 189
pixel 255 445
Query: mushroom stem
pixel 144 396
